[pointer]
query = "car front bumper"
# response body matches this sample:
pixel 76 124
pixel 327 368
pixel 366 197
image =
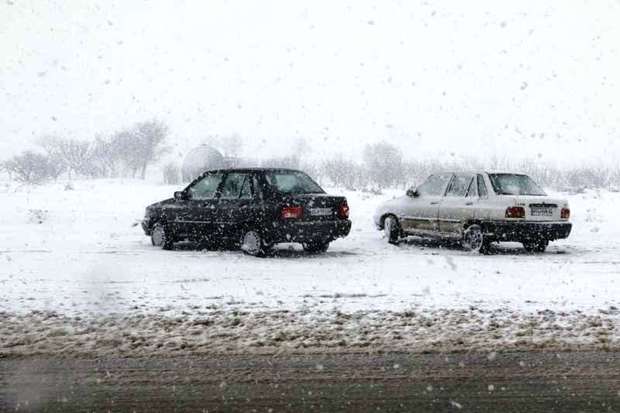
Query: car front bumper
pixel 519 231
pixel 308 231
pixel 146 227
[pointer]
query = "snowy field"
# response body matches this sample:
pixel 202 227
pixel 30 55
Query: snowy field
pixel 76 268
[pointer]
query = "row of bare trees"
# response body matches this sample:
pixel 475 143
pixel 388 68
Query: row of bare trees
pixel 129 152
pixel 353 175
pixel 384 165
pixel 126 153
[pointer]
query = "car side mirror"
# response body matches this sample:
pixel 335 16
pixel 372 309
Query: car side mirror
pixel 413 193
pixel 181 196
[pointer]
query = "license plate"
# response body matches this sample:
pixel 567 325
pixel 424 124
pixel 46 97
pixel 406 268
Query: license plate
pixel 321 212
pixel 542 212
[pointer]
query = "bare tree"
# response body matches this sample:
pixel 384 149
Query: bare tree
pixel 104 159
pixel 172 174
pixel 345 173
pixel 125 150
pixel 383 162
pixel 150 138
pixel 32 168
pixel 74 155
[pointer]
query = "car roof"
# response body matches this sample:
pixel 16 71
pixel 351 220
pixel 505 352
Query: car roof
pixel 252 169
pixel 459 172
pixel 506 173
pixel 470 172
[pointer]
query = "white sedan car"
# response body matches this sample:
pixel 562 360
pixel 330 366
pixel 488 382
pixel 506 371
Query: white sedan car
pixel 476 209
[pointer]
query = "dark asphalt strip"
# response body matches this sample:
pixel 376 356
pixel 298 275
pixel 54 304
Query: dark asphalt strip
pixel 502 382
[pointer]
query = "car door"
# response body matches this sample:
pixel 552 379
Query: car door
pixel 458 206
pixel 483 208
pixel 421 211
pixel 197 218
pixel 238 204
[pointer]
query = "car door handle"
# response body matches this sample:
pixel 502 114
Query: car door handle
pixel 434 203
pixel 469 203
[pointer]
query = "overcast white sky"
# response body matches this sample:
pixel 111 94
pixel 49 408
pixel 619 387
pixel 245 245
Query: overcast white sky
pixel 511 79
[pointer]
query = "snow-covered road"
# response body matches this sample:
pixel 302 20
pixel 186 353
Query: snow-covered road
pixel 78 252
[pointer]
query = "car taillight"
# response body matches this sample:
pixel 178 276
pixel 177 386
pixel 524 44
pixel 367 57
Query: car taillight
pixel 343 210
pixel 565 213
pixel 292 212
pixel 515 212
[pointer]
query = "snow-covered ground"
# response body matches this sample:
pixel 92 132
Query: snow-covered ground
pixel 73 255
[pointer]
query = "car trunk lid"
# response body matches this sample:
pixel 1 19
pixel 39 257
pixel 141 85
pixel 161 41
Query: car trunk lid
pixel 541 208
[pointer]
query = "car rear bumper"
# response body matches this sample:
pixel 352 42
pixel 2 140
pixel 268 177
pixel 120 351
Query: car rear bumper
pixel 324 231
pixel 518 231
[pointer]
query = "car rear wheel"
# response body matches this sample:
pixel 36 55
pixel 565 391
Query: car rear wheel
pixel 162 237
pixel 536 245
pixel 391 229
pixel 474 240
pixel 252 243
pixel 315 247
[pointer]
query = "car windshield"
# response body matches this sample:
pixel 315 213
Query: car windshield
pixel 293 183
pixel 513 184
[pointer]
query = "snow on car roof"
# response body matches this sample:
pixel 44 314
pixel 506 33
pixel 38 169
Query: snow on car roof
pixel 480 172
pixel 252 169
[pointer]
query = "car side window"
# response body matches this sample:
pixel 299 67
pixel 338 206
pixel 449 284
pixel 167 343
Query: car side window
pixel 236 185
pixel 206 188
pixel 459 185
pixel 472 192
pixel 435 185
pixel 482 187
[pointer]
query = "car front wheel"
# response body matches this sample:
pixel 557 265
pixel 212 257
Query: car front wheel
pixel 391 229
pixel 161 237
pixel 474 240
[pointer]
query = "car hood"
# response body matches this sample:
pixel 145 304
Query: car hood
pixel 161 204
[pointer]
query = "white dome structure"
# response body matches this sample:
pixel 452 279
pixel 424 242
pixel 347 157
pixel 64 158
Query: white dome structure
pixel 201 159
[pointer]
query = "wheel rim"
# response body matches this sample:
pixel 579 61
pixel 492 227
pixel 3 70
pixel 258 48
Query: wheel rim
pixel 388 227
pixel 158 237
pixel 473 239
pixel 251 242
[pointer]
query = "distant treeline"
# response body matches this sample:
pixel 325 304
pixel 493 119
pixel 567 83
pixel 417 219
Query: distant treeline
pixel 129 152
pixel 126 153
pixel 383 165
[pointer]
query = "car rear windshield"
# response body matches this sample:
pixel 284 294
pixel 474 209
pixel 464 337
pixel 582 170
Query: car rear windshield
pixel 293 183
pixel 512 184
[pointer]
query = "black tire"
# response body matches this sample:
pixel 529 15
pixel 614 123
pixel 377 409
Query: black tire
pixel 538 246
pixel 316 247
pixel 474 240
pixel 391 229
pixel 252 243
pixel 162 237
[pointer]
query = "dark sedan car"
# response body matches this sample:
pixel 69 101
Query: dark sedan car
pixel 251 208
